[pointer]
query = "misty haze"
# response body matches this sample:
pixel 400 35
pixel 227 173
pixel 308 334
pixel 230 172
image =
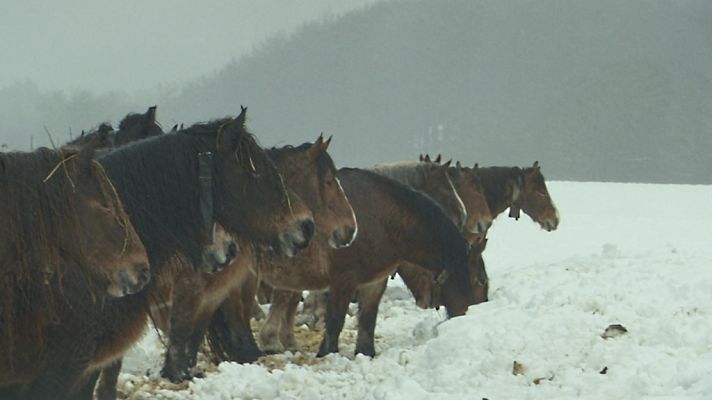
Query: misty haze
pixel 605 90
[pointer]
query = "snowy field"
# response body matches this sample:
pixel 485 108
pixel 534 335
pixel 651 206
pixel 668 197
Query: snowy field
pixel 635 255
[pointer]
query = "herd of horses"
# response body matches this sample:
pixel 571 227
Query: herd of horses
pixel 187 229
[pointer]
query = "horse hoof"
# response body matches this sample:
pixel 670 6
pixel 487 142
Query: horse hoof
pixel 368 353
pixel 249 357
pixel 175 376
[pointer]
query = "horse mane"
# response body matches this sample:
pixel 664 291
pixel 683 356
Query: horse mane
pixel 492 181
pixel 129 120
pixel 405 172
pixel 36 215
pixel 324 162
pixel 161 201
pixel 102 129
pixel 453 245
pixel 538 179
pixel 166 213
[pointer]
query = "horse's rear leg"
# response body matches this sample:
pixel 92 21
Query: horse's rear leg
pixel 86 392
pixel 369 297
pixel 314 310
pixel 286 333
pixel 336 307
pixel 270 332
pixel 108 380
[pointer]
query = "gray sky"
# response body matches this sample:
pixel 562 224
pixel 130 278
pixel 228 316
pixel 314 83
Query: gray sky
pixel 133 44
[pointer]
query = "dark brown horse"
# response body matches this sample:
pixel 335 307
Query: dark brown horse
pixel 167 186
pixel 396 224
pixel 427 290
pixel 66 246
pixel 195 297
pixel 250 201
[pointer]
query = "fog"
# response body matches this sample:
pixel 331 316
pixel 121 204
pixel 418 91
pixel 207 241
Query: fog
pixel 595 91
pixel 132 45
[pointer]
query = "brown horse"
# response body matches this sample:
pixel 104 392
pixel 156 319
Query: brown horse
pixel 449 186
pixel 520 189
pixel 513 187
pixel 66 245
pixel 396 224
pixel 195 297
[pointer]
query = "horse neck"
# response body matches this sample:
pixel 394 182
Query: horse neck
pixel 162 208
pixel 494 181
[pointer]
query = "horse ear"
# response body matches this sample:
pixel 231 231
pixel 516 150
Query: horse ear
pixel 174 129
pixel 420 158
pixel 458 165
pixel 227 136
pixel 427 158
pixel 536 165
pixel 476 166
pixel 327 142
pixel 447 164
pixel 242 117
pixel 438 159
pixel 151 114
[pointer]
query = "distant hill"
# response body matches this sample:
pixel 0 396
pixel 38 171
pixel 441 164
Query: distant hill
pixel 595 90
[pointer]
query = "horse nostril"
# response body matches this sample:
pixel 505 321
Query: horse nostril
pixel 145 274
pixel 231 251
pixel 350 234
pixel 307 227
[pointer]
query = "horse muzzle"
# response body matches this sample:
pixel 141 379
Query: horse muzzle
pixel 217 260
pixel 550 224
pixel 342 237
pixel 296 239
pixel 127 283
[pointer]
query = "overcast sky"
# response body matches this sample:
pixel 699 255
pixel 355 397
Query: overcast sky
pixel 133 44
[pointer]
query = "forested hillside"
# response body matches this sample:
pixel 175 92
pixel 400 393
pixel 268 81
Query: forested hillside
pixel 604 90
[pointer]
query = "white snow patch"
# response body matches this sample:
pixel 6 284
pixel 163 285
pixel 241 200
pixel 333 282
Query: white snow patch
pixel 635 255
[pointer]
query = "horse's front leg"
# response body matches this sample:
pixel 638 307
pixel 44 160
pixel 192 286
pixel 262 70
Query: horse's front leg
pixel 108 380
pixel 60 383
pixel 369 297
pixel 336 307
pixel 177 364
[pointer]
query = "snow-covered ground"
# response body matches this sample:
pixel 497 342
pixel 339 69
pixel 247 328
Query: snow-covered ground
pixel 635 255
